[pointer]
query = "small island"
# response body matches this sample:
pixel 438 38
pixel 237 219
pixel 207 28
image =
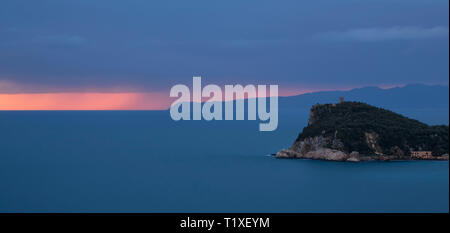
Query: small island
pixel 355 131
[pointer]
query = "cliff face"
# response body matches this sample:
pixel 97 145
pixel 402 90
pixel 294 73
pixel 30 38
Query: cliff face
pixel 352 131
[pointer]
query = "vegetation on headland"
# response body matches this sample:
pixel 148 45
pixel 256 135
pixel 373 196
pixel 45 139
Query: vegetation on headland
pixel 355 126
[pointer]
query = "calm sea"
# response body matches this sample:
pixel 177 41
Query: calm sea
pixel 142 161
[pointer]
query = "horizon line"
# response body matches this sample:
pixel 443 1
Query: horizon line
pixel 130 101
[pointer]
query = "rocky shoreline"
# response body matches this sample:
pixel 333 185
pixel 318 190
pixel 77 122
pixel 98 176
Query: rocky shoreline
pixel 336 155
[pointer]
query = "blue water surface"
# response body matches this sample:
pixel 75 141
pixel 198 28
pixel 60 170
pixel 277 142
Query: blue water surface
pixel 142 161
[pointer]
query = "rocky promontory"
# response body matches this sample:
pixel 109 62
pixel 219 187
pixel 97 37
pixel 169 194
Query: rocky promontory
pixel 353 132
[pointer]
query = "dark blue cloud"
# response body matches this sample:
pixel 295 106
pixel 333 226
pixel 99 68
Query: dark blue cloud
pixel 382 34
pixel 155 44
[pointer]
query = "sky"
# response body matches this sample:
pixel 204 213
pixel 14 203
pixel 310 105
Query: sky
pixel 107 54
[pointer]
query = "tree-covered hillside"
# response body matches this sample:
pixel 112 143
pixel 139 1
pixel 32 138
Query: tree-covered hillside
pixel 355 126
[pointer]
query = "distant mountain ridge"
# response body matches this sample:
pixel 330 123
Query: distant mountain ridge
pixel 427 103
pixel 411 95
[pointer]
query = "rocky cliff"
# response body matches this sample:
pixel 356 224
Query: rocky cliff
pixel 353 131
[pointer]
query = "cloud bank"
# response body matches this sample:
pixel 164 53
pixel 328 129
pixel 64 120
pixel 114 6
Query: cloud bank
pixel 391 33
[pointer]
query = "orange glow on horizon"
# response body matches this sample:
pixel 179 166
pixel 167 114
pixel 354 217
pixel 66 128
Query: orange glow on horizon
pixel 105 101
pixel 84 101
